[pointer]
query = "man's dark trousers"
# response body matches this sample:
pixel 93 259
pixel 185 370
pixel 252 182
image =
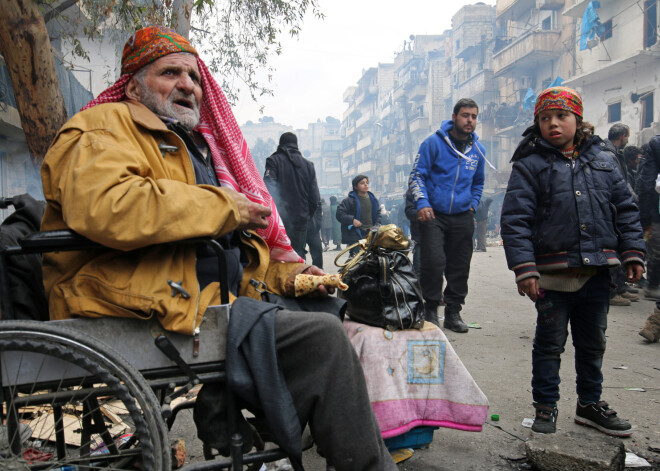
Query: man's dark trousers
pixel 446 247
pixel 298 237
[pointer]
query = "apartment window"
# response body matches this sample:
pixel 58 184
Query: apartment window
pixel 647 110
pixel 546 24
pixel 607 30
pixel 650 22
pixel 614 112
pixel 458 45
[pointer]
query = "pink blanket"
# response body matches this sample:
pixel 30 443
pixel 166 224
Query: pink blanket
pixel 415 378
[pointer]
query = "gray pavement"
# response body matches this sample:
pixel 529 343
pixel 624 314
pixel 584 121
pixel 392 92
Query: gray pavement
pixel 499 358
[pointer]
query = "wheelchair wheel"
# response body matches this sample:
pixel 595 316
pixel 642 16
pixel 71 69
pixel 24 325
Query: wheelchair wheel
pixel 69 402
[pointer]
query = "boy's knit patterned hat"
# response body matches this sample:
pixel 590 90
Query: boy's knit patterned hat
pixel 149 44
pixel 559 98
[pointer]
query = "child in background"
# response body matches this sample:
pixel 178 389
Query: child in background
pixel 567 216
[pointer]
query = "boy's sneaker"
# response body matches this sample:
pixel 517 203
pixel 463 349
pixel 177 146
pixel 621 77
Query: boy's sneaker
pixel 601 417
pixel 631 296
pixel 546 418
pixel 619 300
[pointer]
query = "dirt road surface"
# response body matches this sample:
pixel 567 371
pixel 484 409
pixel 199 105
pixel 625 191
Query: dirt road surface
pixel 498 356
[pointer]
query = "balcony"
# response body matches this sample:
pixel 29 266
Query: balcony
pixel 512 9
pixel 365 167
pixel 575 8
pixel 366 117
pixel 421 123
pixel 349 111
pixel 418 92
pixel 398 93
pixel 401 160
pixel 362 143
pixel 348 152
pixel 349 94
pixel 550 4
pixel 526 52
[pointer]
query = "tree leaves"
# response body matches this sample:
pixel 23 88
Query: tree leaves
pixel 236 38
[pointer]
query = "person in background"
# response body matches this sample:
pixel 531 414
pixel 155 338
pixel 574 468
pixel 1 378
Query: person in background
pixel 336 225
pixel 446 181
pixel 560 175
pixel 632 155
pixel 357 213
pixel 326 225
pixel 648 189
pixel 617 139
pixel 410 209
pixel 314 237
pixel 384 215
pixel 291 179
pixel 481 217
pixel 402 218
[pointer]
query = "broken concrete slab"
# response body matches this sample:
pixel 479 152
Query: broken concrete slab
pixel 576 451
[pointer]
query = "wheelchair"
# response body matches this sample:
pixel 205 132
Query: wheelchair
pixel 69 400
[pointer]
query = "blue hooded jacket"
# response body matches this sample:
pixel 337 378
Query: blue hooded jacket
pixel 448 181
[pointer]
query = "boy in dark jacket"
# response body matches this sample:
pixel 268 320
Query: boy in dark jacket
pixel 568 216
pixel 358 213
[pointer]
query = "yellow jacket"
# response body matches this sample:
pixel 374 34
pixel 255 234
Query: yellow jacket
pixel 106 178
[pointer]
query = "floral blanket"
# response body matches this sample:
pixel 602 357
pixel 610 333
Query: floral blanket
pixel 415 378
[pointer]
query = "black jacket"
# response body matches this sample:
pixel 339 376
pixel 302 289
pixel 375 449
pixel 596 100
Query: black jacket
pixel 348 210
pixel 558 214
pixel 291 181
pixel 649 167
pixel 24 275
pixel 411 214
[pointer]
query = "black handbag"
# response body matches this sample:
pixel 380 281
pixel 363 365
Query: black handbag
pixel 383 289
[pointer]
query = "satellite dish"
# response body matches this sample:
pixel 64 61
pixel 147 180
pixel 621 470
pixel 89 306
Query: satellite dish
pixel 412 37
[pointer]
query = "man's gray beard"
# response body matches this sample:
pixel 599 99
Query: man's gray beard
pixel 189 118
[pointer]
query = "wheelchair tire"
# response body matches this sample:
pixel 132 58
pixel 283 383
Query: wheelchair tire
pixel 108 415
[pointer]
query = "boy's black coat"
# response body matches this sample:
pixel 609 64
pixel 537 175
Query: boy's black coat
pixel 556 215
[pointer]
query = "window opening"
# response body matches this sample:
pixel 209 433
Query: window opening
pixel 647 110
pixel 614 112
pixel 650 22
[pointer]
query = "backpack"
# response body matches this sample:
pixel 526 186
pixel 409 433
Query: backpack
pixel 24 276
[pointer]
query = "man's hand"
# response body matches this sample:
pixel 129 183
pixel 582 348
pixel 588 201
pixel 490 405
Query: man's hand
pixel 425 214
pixel 321 292
pixel 634 271
pixel 529 287
pixel 356 223
pixel 258 216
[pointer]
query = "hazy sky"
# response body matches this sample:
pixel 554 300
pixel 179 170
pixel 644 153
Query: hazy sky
pixel 313 72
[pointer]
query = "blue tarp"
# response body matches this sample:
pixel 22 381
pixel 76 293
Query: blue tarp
pixel 530 100
pixel 556 82
pixel 591 26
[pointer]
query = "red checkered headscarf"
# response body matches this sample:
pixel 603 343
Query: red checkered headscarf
pixel 559 98
pixel 233 163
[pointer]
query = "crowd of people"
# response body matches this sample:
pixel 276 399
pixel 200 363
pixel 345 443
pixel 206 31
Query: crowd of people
pixel 562 172
pixel 161 146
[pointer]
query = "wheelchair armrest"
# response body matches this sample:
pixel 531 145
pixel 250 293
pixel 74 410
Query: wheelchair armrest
pixel 68 240
pixel 49 241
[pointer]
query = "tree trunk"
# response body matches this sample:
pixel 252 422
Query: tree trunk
pixel 181 11
pixel 25 45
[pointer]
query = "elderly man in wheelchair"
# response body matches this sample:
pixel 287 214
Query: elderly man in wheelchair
pixel 158 158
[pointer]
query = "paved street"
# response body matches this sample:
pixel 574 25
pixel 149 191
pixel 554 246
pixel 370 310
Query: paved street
pixel 499 358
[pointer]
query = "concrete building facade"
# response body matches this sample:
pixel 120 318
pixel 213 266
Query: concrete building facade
pixel 618 74
pixel 532 48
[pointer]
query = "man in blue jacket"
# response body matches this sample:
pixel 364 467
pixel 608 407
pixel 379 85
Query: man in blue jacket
pixel 446 182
